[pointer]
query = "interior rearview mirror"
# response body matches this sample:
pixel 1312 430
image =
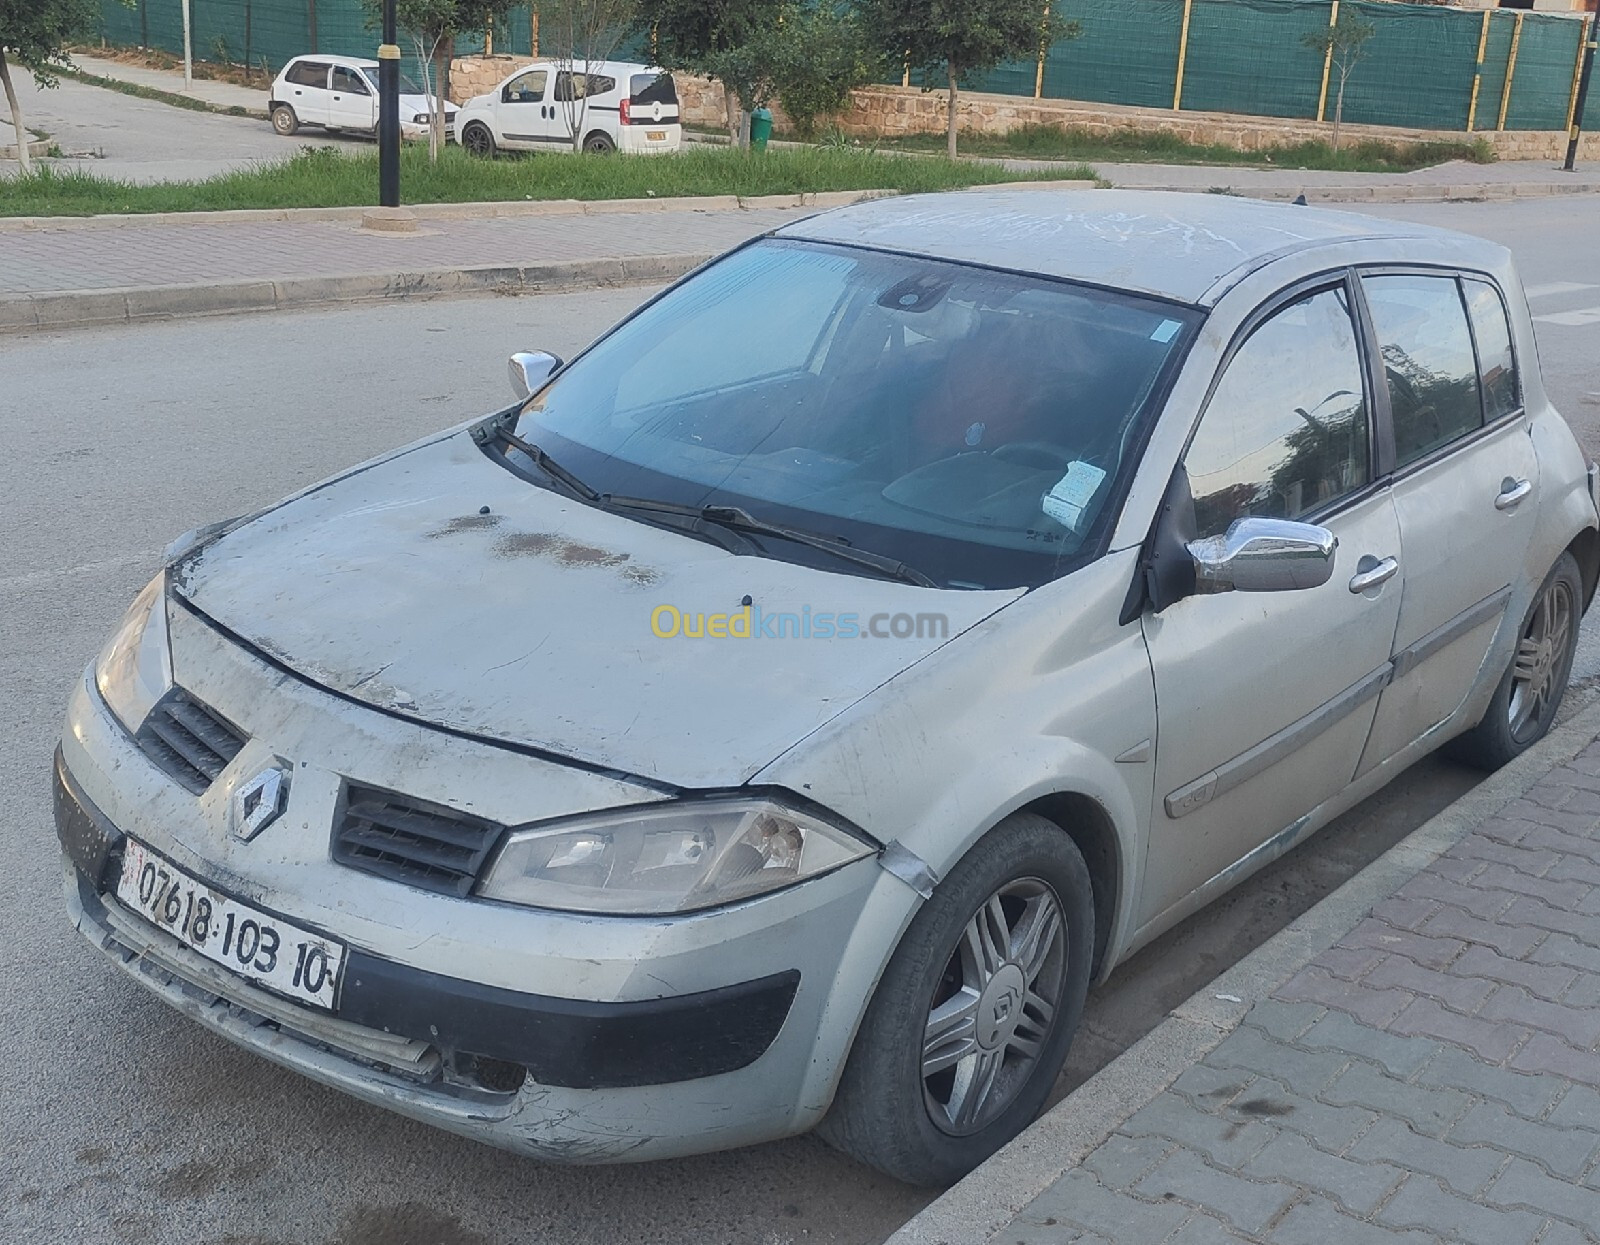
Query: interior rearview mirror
pixel 1264 555
pixel 530 369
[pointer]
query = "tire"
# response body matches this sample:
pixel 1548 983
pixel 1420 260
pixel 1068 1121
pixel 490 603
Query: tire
pixel 1529 693
pixel 599 142
pixel 932 1127
pixel 477 139
pixel 284 121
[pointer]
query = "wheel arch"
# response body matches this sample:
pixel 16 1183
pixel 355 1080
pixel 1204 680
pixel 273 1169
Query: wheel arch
pixel 598 132
pixel 1585 549
pixel 1086 822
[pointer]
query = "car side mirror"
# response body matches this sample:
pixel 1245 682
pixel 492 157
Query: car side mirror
pixel 530 369
pixel 1264 555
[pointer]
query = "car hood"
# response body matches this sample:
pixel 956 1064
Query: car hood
pixel 438 586
pixel 411 105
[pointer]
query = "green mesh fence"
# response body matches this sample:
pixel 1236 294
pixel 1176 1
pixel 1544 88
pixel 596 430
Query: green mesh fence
pixel 1243 56
pixel 1246 56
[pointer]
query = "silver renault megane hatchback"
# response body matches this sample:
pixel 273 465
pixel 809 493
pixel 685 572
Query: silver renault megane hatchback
pixel 534 779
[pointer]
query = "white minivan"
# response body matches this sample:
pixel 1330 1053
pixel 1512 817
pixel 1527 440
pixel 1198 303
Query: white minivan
pixel 341 93
pixel 613 105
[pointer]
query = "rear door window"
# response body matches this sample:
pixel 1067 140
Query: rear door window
pixel 570 86
pixel 309 73
pixel 1428 361
pixel 1497 365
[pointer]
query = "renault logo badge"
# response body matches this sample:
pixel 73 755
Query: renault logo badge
pixel 257 803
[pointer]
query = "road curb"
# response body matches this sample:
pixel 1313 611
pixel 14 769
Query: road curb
pixel 986 1201
pixel 75 308
pixel 1406 192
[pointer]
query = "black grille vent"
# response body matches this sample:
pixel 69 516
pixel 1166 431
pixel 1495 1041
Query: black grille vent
pixel 397 837
pixel 188 741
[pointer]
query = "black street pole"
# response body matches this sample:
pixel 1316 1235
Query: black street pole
pixel 389 112
pixel 1583 93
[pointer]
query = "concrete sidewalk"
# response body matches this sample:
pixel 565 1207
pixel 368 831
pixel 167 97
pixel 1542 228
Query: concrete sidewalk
pixel 1415 1060
pixel 222 96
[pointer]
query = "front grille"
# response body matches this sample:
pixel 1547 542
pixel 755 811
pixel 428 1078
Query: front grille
pixel 188 741
pixel 411 841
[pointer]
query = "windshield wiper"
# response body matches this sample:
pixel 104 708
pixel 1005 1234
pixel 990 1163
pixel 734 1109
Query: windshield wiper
pixel 736 519
pixel 500 430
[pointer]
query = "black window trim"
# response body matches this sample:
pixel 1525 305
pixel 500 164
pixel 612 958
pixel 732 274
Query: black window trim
pixel 1485 429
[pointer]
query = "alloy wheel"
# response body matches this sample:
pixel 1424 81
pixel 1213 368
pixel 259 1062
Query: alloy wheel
pixel 1540 668
pixel 995 1006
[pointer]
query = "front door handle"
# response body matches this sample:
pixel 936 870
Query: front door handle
pixel 1511 492
pixel 1371 572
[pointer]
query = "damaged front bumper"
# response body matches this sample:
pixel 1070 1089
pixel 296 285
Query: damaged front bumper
pixel 628 1077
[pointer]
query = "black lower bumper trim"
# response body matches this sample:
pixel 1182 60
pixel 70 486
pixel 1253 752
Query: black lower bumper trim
pixel 569 1043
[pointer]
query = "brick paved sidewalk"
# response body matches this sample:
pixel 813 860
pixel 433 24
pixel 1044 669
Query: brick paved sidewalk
pixel 1433 1077
pixel 137 255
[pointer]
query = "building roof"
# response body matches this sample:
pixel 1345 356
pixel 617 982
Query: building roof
pixel 1177 246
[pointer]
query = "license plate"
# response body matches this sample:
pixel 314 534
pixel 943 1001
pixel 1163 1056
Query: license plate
pixel 262 949
pixel 656 136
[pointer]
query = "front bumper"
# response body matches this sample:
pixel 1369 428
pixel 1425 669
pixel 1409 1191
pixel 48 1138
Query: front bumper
pixel 617 1074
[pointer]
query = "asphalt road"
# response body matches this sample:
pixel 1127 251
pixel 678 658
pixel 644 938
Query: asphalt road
pixel 122 1122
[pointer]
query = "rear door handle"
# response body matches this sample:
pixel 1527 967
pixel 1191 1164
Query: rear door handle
pixel 1371 572
pixel 1511 492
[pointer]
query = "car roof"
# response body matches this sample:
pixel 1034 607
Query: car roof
pixel 1179 246
pixel 612 69
pixel 327 58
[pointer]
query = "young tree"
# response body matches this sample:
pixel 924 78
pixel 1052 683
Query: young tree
pixel 1342 43
pixel 726 40
pixel 576 35
pixel 824 54
pixel 954 38
pixel 434 26
pixel 36 33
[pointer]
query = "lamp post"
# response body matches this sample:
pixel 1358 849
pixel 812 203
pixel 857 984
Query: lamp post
pixel 388 112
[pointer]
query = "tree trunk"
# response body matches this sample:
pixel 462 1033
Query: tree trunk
pixel 16 113
pixel 1338 112
pixel 441 91
pixel 730 108
pixel 950 118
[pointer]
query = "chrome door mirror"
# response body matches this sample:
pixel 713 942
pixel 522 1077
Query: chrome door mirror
pixel 1263 555
pixel 530 369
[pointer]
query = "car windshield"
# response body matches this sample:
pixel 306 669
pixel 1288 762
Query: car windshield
pixel 973 424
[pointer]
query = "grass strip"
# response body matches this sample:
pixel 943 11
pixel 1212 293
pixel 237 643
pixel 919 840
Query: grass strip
pixel 331 177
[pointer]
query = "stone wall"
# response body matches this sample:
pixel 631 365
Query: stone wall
pixel 893 111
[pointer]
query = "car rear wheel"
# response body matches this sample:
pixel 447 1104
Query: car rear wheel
pixel 284 120
pixel 599 142
pixel 971 1022
pixel 1529 694
pixel 477 139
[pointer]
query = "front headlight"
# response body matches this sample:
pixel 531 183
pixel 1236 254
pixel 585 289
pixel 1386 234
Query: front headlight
pixel 135 670
pixel 422 118
pixel 675 857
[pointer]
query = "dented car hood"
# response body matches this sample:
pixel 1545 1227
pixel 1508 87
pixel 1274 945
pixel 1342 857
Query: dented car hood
pixel 438 586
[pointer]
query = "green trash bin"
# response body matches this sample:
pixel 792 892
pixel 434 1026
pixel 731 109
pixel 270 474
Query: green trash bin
pixel 760 128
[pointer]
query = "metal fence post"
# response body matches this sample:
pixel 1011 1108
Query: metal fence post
pixel 1327 66
pixel 1511 69
pixel 1584 35
pixel 1044 51
pixel 1575 113
pixel 1183 56
pixel 1477 71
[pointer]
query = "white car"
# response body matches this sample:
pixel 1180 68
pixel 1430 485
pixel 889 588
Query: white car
pixel 614 105
pixel 341 93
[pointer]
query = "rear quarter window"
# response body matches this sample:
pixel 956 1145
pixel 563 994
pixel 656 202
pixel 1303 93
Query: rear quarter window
pixel 308 73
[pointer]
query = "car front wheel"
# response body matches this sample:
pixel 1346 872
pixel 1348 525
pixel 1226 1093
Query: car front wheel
pixel 971 1022
pixel 1529 693
pixel 477 139
pixel 284 120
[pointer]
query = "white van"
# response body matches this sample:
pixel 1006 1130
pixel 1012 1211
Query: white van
pixel 341 93
pixel 614 105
